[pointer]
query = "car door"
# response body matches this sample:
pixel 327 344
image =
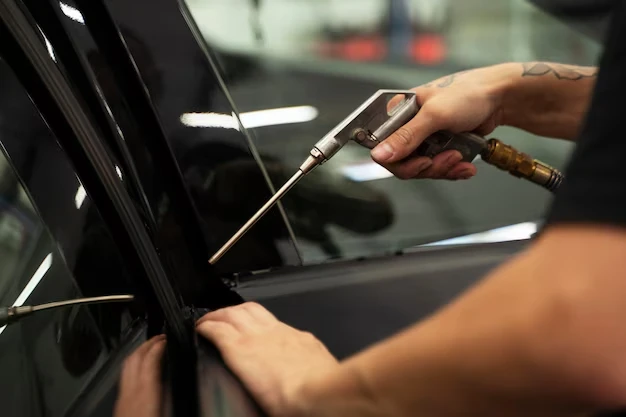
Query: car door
pixel 55 246
pixel 89 210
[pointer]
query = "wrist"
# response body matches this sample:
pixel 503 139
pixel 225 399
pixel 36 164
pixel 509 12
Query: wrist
pixel 342 391
pixel 505 83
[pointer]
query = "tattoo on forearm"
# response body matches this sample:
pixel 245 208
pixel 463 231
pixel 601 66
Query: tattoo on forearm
pixel 446 81
pixel 560 71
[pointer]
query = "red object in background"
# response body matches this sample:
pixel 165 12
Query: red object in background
pixel 428 49
pixel 363 49
pixel 355 49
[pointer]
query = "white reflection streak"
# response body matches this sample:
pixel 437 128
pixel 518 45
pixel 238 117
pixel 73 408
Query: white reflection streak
pixel 32 284
pixel 282 116
pixel 119 171
pixel 365 171
pixel 50 49
pixel 259 118
pixel 79 199
pixel 209 120
pixel 72 12
pixel 520 231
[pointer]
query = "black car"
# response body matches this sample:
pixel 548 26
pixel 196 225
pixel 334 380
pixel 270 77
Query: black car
pixel 130 153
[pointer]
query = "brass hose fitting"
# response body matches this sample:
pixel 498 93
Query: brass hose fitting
pixel 521 165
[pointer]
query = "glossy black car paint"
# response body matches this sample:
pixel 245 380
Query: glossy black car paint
pixel 56 355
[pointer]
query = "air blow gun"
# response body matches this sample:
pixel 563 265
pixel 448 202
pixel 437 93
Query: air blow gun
pixel 374 121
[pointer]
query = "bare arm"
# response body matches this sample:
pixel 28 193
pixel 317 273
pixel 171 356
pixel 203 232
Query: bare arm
pixel 541 336
pixel 549 99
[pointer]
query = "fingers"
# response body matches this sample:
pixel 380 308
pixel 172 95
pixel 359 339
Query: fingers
pixel 151 364
pixel 225 322
pixel 236 314
pixel 216 332
pixel 395 100
pixel 442 164
pixel 410 168
pixel 462 171
pixel 408 137
pixel 143 367
pixel 446 165
pixel 237 318
pixel 133 365
pixel 140 384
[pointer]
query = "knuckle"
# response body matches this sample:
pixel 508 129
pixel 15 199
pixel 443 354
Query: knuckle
pixel 251 306
pixel 398 171
pixel 435 116
pixel 308 336
pixel 404 175
pixel 437 111
pixel 428 173
pixel 228 314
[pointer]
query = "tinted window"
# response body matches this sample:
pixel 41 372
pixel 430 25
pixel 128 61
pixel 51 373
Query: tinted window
pixel 295 78
pixel 54 246
pixel 225 179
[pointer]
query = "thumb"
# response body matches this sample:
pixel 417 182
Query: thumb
pixel 407 138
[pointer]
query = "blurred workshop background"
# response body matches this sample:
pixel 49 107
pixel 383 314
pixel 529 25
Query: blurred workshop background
pixel 295 68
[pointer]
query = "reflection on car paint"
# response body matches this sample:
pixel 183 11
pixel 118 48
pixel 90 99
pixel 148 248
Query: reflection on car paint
pixel 60 253
pixel 520 231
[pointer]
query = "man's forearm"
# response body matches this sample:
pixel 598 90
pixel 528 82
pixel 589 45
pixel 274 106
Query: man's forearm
pixel 463 361
pixel 548 99
pixel 517 344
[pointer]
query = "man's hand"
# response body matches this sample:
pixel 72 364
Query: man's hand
pixel 542 98
pixel 271 358
pixel 468 101
pixel 140 384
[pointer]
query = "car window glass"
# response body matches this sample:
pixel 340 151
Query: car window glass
pixel 295 78
pixel 225 178
pixel 53 246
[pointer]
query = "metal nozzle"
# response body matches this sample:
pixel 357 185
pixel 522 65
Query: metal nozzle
pixel 315 159
pixel 9 315
pixel 521 165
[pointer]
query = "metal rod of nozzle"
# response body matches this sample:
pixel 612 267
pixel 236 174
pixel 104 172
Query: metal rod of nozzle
pixel 9 315
pixel 315 159
pixel 90 300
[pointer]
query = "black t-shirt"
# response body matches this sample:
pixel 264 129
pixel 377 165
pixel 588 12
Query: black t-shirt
pixel 594 190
